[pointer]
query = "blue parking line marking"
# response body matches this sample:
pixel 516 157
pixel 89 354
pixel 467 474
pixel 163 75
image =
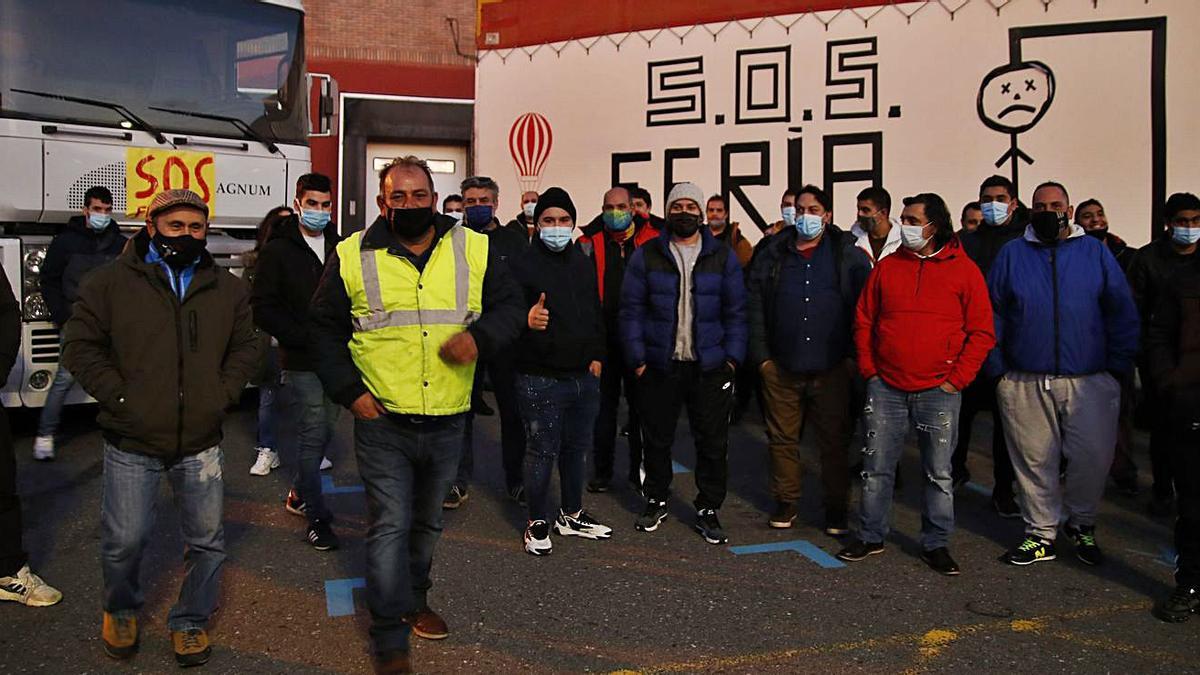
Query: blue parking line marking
pixel 1169 557
pixel 339 595
pixel 804 548
pixel 328 488
pixel 676 467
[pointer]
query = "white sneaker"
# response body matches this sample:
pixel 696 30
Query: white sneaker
pixel 43 448
pixel 581 524
pixel 326 464
pixel 267 459
pixel 28 589
pixel 537 538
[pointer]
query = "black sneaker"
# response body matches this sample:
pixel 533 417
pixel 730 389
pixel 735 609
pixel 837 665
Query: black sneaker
pixel 517 494
pixel 321 536
pixel 581 524
pixel 858 550
pixel 1085 544
pixel 709 527
pixel 1006 506
pixel 783 516
pixel 455 498
pixel 1030 551
pixel 940 561
pixel 599 485
pixel 1176 607
pixel 652 516
pixel 836 524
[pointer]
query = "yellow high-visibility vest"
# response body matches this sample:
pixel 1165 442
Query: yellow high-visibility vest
pixel 402 317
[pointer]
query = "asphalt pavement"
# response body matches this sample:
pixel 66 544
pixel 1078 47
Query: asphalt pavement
pixel 663 602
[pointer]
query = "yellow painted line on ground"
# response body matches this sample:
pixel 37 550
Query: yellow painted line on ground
pixel 1111 645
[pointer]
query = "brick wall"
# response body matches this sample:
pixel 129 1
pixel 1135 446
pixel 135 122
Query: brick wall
pixel 390 31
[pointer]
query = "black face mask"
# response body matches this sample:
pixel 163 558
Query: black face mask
pixel 179 252
pixel 1047 225
pixel 683 225
pixel 410 223
pixel 1099 234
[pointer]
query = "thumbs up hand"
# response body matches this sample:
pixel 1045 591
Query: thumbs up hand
pixel 539 316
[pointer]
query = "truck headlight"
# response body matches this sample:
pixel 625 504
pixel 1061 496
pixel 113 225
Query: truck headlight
pixel 39 380
pixel 35 307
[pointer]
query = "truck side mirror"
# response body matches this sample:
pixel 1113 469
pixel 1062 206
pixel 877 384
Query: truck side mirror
pixel 323 105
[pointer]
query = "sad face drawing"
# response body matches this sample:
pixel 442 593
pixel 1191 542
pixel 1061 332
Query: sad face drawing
pixel 1015 96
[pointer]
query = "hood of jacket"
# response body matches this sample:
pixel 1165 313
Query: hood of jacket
pixel 1029 236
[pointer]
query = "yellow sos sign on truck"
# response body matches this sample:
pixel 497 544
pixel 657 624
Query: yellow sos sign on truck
pixel 149 171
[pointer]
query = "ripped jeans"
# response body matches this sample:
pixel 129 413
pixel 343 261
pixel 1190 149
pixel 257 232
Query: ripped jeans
pixel 888 415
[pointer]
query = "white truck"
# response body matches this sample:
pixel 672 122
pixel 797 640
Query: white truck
pixel 140 96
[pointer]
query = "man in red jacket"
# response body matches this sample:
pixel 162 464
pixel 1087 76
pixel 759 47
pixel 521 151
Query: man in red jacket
pixel 923 329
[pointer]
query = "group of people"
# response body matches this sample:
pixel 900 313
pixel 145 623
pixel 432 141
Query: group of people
pixel 897 324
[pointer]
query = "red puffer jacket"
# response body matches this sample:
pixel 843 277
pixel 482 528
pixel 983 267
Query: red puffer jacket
pixel 922 322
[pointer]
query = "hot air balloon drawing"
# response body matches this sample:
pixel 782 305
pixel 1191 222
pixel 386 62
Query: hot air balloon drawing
pixel 529 142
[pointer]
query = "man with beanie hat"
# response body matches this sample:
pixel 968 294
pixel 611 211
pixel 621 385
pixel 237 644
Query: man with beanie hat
pixel 683 329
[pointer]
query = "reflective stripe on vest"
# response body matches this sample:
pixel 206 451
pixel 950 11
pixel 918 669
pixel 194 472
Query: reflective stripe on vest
pixel 380 318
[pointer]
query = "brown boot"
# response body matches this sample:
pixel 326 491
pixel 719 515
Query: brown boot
pixel 391 662
pixel 120 635
pixel 191 647
pixel 427 624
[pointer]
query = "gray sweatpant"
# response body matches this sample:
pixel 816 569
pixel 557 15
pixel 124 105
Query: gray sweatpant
pixel 1046 419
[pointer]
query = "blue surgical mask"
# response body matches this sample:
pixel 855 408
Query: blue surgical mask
pixel 479 216
pixel 810 226
pixel 617 220
pixel 555 238
pixel 314 221
pixel 994 213
pixel 789 215
pixel 99 221
pixel 1185 236
pixel 529 208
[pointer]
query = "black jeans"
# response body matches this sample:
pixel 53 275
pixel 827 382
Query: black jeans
pixel 1185 453
pixel 708 397
pixel 512 429
pixel 979 396
pixel 604 438
pixel 1161 443
pixel 12 555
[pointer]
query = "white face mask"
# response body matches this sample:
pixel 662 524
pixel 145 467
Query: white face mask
pixel 910 236
pixel 456 215
pixel 529 208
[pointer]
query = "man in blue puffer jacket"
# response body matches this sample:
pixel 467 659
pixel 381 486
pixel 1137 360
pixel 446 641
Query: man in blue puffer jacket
pixel 1066 333
pixel 683 329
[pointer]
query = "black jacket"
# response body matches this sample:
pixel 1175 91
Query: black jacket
pixel 10 327
pixel 575 335
pixel 285 277
pixel 984 244
pixel 518 226
pixel 1124 253
pixel 504 313
pixel 1150 274
pixel 74 252
pixel 508 243
pixel 1173 342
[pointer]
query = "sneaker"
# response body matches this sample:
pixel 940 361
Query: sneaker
pixel 517 494
pixel 859 550
pixel 652 516
pixel 326 464
pixel 28 589
pixel 294 505
pixel 598 485
pixel 267 459
pixel 581 524
pixel 43 448
pixel 959 479
pixel 940 561
pixel 321 536
pixel 783 516
pixel 537 538
pixel 836 524
pixel 709 527
pixel 394 662
pixel 1006 506
pixel 1030 551
pixel 1176 607
pixel 119 634
pixel 455 498
pixel 191 647
pixel 426 623
pixel 1085 544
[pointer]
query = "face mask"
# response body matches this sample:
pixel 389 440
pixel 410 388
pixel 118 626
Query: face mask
pixel 479 216
pixel 910 236
pixel 617 220
pixel 866 223
pixel 456 215
pixel 555 238
pixel 1185 236
pixel 789 215
pixel 178 252
pixel 529 208
pixel 314 221
pixel 99 221
pixel 1047 225
pixel 683 225
pixel 1101 234
pixel 809 226
pixel 994 213
pixel 410 223
pixel 717 225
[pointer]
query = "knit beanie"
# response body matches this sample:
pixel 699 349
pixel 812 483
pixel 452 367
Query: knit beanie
pixel 554 197
pixel 685 191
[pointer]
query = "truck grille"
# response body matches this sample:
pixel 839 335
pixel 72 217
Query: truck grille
pixel 43 345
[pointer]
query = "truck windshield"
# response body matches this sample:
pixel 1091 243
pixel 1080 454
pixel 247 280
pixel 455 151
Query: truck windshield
pixel 228 58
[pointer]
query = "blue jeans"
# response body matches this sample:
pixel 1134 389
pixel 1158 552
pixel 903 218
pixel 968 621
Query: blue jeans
pixel 559 416
pixel 127 519
pixel 267 395
pixel 888 414
pixel 406 468
pixel 316 417
pixel 55 398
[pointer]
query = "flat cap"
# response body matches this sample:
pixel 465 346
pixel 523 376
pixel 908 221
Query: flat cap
pixel 169 199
